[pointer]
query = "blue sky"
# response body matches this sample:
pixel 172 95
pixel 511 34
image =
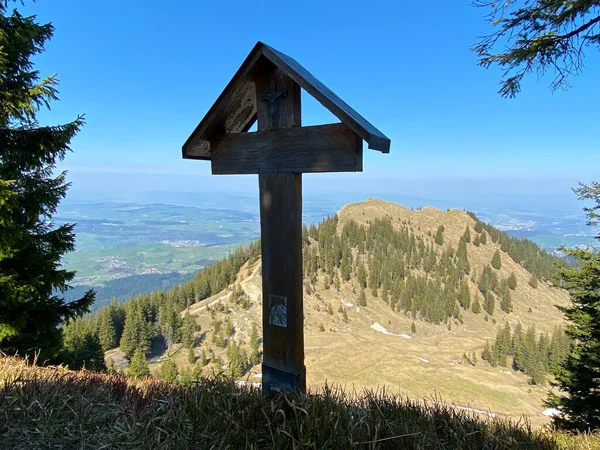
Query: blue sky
pixel 145 72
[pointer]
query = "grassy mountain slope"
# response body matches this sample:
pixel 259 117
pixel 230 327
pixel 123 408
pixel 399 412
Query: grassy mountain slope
pixel 374 346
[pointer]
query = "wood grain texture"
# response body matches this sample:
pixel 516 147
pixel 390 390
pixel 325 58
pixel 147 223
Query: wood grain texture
pixel 238 116
pixel 323 148
pixel 235 110
pixel 289 107
pixel 281 242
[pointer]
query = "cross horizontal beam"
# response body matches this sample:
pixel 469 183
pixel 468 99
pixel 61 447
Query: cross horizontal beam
pixel 323 148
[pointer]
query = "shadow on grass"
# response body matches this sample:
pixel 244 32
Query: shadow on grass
pixel 56 408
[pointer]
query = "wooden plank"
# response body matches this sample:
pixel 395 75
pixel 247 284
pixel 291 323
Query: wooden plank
pixel 375 138
pixel 281 245
pixel 238 116
pixel 234 110
pixel 323 148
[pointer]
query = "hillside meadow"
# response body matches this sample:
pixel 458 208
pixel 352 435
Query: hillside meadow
pixel 391 342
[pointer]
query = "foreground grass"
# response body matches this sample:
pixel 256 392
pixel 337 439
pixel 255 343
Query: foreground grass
pixel 57 408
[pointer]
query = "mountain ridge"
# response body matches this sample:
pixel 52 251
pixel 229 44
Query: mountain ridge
pixel 383 343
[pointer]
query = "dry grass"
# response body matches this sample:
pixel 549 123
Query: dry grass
pixel 57 408
pixel 353 354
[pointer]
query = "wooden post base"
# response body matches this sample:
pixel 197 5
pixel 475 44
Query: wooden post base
pixel 276 381
pixel 283 316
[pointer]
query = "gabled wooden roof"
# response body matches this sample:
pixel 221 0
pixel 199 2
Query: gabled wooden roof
pixel 235 109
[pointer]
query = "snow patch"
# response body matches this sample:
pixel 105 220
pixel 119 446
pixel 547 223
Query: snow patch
pixel 508 373
pixel 381 329
pixel 424 360
pixel 551 412
pixel 347 304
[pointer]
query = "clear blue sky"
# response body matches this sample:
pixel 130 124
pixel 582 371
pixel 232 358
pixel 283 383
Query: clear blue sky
pixel 145 72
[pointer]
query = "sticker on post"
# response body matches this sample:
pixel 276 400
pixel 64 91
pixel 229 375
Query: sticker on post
pixel 278 310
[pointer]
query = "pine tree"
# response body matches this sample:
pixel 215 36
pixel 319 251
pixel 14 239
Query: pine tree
pixel 537 37
pixel 489 303
pixel 483 238
pixel 138 367
pixel 476 308
pixel 362 298
pixel 464 296
pixel 439 235
pixel 486 355
pixel 362 276
pixel 31 247
pixel 533 281
pixel 512 281
pixel 189 327
pixel 168 371
pixel 228 327
pixel 560 345
pixel 112 368
pixel 204 359
pixel 502 345
pixel 506 302
pixel 467 235
pixel 81 346
pixel 413 328
pixel 237 359
pixel 254 345
pixel 107 332
pixel 191 356
pixel 137 332
pixel 346 263
pixel 497 261
pixel 577 377
pixel 476 241
pixel 462 257
pixel 384 295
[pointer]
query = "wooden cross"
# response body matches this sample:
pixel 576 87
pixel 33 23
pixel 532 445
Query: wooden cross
pixel 266 89
pixel 272 95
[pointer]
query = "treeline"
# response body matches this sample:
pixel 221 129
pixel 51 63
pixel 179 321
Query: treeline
pixel 149 323
pixel 124 288
pixel 527 351
pixel 523 251
pixel 422 277
pixel 415 276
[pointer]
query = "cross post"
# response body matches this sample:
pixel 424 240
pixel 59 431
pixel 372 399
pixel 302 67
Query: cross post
pixel 266 89
pixel 280 196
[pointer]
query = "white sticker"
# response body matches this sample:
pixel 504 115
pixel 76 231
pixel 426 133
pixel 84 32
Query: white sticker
pixel 278 310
